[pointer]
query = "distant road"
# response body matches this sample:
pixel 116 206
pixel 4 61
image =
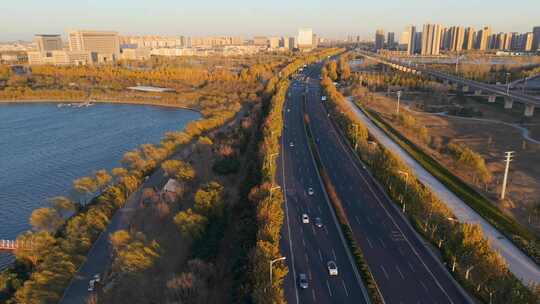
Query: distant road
pixel 307 247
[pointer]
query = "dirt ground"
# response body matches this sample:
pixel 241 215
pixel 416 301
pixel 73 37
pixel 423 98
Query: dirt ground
pixel 491 140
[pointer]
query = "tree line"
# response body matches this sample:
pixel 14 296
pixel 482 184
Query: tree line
pixel 267 196
pixel 63 233
pixel 465 249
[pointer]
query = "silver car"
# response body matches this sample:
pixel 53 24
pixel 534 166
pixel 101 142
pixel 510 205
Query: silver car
pixel 303 281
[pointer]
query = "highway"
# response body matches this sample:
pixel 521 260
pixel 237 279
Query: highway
pixel 308 248
pixel 405 269
pixel 521 265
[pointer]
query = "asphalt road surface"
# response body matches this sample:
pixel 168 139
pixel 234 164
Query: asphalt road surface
pixel 308 248
pixel 404 268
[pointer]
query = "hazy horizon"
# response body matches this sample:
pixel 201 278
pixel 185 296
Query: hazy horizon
pixel 336 19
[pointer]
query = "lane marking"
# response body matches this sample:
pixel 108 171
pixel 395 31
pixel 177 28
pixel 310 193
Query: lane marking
pixel 329 290
pixel 345 287
pixel 304 242
pixel 382 243
pixel 400 273
pixel 334 254
pixel 423 285
pixel 320 255
pixel 307 261
pixel 369 242
pixel 357 220
pixel 320 211
pixel 411 266
pixel 385 273
pixel 314 297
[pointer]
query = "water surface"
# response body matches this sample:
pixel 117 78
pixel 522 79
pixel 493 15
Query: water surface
pixel 43 148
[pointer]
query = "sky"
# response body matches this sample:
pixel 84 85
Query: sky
pixel 21 19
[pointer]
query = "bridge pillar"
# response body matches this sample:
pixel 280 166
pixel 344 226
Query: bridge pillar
pixel 491 98
pixel 508 103
pixel 529 110
pixel 465 88
pixel 477 92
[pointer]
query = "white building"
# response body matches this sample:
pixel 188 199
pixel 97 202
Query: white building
pixel 305 38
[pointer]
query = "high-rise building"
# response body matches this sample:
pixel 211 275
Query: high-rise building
pixel 292 43
pixel 446 39
pixel 305 38
pixel 457 37
pixel 536 38
pixel 417 42
pixel 391 40
pixel 469 39
pixel 483 38
pixel 526 42
pixel 47 43
pixel 379 39
pixel 409 38
pixel 273 42
pixel 431 39
pixel 104 43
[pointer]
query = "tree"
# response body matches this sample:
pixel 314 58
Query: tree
pixel 133 254
pixel 209 199
pixel 46 219
pixel 332 70
pixel 179 170
pixel 63 205
pixel 37 246
pixel 102 179
pixel 85 186
pixel 190 224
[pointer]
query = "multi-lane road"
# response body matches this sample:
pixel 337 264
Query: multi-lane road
pixel 307 247
pixel 405 269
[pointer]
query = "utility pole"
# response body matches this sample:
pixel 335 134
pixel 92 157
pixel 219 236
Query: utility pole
pixel 509 156
pixel 398 98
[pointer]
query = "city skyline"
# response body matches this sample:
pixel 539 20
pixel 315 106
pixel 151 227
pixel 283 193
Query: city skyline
pixel 208 18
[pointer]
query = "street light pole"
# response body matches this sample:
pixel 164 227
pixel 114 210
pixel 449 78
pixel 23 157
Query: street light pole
pixel 406 184
pixel 355 137
pixel 509 156
pixel 398 98
pixel 507 83
pixel 272 263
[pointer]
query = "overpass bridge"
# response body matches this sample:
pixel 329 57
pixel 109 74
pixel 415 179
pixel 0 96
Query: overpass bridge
pixel 466 85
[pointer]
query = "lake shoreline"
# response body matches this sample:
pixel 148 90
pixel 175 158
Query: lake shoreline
pixel 121 102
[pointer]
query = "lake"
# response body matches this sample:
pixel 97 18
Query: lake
pixel 43 148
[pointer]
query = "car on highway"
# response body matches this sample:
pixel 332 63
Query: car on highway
pixel 92 285
pixel 291 144
pixel 318 222
pixel 288 110
pixel 97 277
pixel 305 218
pixel 332 268
pixel 323 98
pixel 310 191
pixel 303 281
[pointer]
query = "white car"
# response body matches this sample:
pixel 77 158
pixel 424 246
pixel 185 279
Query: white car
pixel 288 110
pixel 291 144
pixel 91 285
pixel 305 218
pixel 97 277
pixel 318 222
pixel 310 191
pixel 332 268
pixel 323 98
